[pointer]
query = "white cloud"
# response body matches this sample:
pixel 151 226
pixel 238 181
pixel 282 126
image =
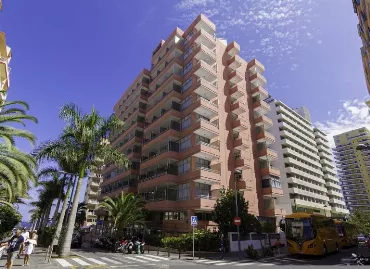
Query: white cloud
pixel 319 42
pixel 279 26
pixel 353 114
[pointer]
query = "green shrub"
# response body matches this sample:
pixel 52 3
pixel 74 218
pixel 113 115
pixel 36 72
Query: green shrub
pixel 9 218
pixel 251 252
pixel 267 252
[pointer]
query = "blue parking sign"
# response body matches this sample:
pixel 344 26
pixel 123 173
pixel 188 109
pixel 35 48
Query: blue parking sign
pixel 194 220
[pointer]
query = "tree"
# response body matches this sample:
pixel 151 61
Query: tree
pixel 17 169
pixel 225 211
pixel 86 137
pixel 125 210
pixel 361 220
pixel 81 214
pixel 9 218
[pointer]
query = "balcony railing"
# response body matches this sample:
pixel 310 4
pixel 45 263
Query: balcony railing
pixel 167 170
pixel 208 145
pixel 172 126
pixel 206 100
pixel 175 106
pixel 173 146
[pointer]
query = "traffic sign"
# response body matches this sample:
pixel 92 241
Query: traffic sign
pixel 99 222
pixel 194 220
pixel 237 221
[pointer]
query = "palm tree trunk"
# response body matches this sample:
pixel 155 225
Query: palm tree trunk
pixel 66 246
pixel 62 214
pixel 46 217
pixel 58 203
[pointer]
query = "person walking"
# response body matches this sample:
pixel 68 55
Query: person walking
pixel 26 236
pixel 29 246
pixel 13 246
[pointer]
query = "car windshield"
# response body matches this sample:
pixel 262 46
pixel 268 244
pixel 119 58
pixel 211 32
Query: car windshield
pixel 299 229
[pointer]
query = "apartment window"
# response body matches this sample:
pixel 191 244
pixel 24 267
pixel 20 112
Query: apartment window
pixel 184 166
pixel 199 163
pixel 184 191
pixel 187 84
pixel 202 190
pixel 188 37
pixel 185 122
pixel 187 68
pixel 188 52
pixel 199 138
pixel 186 103
pixel 174 215
pixel 185 143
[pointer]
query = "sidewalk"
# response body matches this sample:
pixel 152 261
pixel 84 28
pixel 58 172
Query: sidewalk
pixel 37 260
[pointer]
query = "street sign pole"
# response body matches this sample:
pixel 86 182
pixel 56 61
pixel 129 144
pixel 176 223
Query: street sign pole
pixel 193 222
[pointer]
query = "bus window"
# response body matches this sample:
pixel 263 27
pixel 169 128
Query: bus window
pixel 299 229
pixel 340 230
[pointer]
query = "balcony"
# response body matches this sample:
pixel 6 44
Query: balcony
pixel 203 203
pixel 272 192
pixel 205 89
pixel 306 203
pixel 166 97
pixel 263 136
pixel 235 62
pixel 202 53
pixel 205 71
pixel 330 177
pixel 327 169
pixel 233 49
pixel 267 154
pixel 257 80
pixel 261 107
pixel 206 128
pixel 93 194
pixel 172 112
pixel 153 156
pixel 309 194
pixel 263 122
pixel 205 107
pixel 164 175
pixel 327 163
pixel 237 92
pixel 203 37
pixel 242 162
pixel 205 151
pixel 269 171
pixel 241 142
pixel 296 181
pixel 255 66
pixel 203 175
pixel 337 201
pixel 92 202
pixel 260 92
pixel 239 124
pixel 172 129
pixel 235 77
pixel 238 107
pixel 332 185
pixel 94 185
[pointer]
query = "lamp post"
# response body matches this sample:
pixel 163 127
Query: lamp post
pixel 237 215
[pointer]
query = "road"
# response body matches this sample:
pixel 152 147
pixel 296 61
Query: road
pixel 95 258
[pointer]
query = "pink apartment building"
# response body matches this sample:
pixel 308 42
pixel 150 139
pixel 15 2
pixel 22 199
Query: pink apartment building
pixel 195 123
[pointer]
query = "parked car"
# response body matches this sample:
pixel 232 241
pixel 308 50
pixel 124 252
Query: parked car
pixel 361 239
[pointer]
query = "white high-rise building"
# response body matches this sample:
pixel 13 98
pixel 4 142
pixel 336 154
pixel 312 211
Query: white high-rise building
pixel 91 197
pixel 307 178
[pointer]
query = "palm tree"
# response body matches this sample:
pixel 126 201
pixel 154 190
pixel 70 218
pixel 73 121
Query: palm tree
pixel 81 214
pixel 17 168
pixel 125 210
pixel 85 137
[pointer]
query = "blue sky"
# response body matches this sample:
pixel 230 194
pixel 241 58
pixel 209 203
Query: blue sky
pixel 87 52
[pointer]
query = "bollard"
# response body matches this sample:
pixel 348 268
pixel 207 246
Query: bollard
pixel 158 251
pixel 148 249
pixel 138 249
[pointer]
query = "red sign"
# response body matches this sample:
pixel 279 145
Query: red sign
pixel 237 221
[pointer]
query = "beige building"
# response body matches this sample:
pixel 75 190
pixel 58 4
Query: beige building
pixel 195 123
pixel 5 56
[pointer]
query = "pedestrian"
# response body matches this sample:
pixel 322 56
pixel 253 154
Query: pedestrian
pixel 26 236
pixel 13 246
pixel 29 246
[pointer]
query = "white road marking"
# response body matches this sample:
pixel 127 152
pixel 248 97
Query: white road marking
pixel 224 263
pixel 122 259
pixel 79 261
pixel 210 262
pixel 63 263
pixel 149 259
pixel 244 264
pixel 110 260
pixel 96 261
pixel 136 260
pixel 267 264
pixel 158 257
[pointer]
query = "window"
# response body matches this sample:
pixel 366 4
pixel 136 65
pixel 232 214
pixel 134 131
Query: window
pixel 188 37
pixel 202 190
pixel 187 68
pixel 185 143
pixel 186 103
pixel 199 163
pixel 184 166
pixel 187 84
pixel 184 191
pixel 188 52
pixel 174 215
pixel 202 139
pixel 185 122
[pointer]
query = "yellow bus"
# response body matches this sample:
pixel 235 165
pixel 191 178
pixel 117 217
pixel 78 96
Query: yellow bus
pixel 347 233
pixel 311 234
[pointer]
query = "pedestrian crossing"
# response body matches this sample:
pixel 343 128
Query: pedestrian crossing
pixel 241 263
pixel 111 261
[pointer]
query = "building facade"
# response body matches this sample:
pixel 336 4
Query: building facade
pixel 304 159
pixel 195 123
pixel 353 167
pixel 5 57
pixel 92 194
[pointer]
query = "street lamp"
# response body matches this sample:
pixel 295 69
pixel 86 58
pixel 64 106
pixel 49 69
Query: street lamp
pixel 237 215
